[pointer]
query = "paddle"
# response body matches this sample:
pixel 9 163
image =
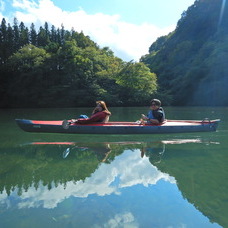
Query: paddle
pixel 68 150
pixel 66 124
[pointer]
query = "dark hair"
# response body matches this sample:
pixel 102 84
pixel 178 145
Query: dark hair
pixel 103 106
pixel 156 101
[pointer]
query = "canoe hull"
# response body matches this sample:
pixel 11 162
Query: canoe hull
pixel 118 127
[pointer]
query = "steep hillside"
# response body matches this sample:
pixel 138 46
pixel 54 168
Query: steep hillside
pixel 191 62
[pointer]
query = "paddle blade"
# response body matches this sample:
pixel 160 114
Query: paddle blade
pixel 65 124
pixel 66 152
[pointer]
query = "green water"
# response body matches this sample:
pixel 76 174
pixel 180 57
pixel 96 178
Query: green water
pixel 57 180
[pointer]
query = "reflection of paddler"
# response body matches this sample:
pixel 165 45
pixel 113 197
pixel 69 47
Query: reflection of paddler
pixel 101 150
pixel 157 149
pixel 154 151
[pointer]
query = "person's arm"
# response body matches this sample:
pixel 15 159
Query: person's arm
pixel 99 116
pixel 154 121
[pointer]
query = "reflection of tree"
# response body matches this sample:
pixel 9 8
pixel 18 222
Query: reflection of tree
pixel 32 165
pixel 192 164
pixel 154 151
pixel 200 171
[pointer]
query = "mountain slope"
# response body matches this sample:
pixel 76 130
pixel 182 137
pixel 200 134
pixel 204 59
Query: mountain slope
pixel 191 62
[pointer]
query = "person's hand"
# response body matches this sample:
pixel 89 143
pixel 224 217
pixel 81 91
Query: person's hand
pixel 144 117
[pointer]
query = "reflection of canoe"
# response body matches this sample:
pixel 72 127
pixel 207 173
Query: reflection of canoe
pixel 88 144
pixel 171 126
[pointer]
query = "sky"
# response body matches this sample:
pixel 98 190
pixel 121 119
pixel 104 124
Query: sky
pixel 127 27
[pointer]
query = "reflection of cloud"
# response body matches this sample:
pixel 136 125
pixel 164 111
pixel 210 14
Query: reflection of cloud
pixel 126 170
pixel 121 220
pixel 129 41
pixel 4 200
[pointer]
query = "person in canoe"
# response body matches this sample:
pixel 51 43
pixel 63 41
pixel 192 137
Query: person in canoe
pixel 156 115
pixel 99 114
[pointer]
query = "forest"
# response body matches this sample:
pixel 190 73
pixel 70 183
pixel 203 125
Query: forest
pixel 54 67
pixel 191 62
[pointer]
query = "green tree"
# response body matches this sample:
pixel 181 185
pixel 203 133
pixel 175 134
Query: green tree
pixel 33 35
pixel 16 44
pixel 137 83
pixel 28 58
pixel 3 42
pixel 28 81
pixel 23 35
pixel 57 67
pixel 9 41
pixel 43 36
pixel 189 62
pixel 53 35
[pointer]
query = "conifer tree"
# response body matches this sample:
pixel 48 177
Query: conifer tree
pixel 33 35
pixel 16 35
pixel 24 35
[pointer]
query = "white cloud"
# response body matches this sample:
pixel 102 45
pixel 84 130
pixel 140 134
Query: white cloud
pixel 107 179
pixel 24 4
pixel 2 5
pixel 128 41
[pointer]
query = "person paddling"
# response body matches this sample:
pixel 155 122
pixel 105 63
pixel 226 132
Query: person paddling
pixel 156 115
pixel 99 114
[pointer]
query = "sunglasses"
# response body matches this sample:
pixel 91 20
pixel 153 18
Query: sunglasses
pixel 153 104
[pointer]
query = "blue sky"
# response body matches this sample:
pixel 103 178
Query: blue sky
pixel 127 27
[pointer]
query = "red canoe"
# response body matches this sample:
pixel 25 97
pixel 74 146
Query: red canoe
pixel 170 126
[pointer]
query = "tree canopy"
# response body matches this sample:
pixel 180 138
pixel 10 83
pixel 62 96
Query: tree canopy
pixel 61 68
pixel 54 67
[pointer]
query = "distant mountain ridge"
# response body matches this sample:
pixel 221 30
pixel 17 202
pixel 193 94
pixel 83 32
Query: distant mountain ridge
pixel 191 63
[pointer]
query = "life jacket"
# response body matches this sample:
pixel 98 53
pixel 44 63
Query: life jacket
pixel 158 114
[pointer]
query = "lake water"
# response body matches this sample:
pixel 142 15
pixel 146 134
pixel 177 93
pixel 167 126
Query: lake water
pixel 59 180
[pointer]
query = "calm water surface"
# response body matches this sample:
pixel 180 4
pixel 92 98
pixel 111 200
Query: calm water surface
pixel 58 180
